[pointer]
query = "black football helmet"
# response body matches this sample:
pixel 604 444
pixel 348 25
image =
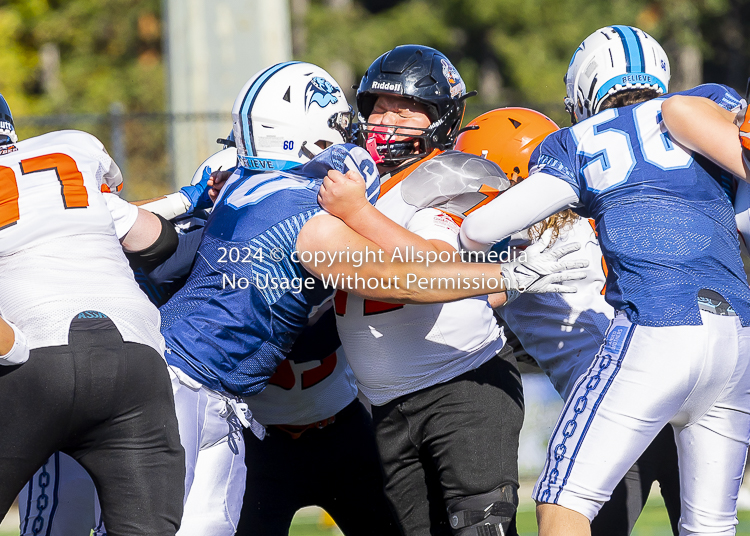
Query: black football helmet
pixel 424 75
pixel 7 128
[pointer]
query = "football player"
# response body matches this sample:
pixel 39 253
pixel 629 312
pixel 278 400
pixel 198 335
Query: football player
pixel 61 499
pixel 95 365
pixel 439 376
pixel 562 332
pixel 320 448
pixel 247 297
pixel 677 350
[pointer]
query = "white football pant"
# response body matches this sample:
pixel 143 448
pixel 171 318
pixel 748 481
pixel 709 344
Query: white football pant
pixel 695 377
pixel 211 435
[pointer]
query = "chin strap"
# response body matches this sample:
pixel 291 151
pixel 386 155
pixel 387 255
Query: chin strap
pixel 309 151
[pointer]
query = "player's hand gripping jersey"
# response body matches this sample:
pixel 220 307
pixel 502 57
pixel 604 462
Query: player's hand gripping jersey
pixel 242 306
pixel 397 349
pixel 50 197
pixel 664 222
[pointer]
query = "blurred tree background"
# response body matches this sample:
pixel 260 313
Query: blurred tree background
pixel 516 52
pixel 71 63
pixel 81 64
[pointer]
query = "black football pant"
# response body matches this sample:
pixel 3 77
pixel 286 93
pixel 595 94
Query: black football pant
pixel 109 405
pixel 450 441
pixel 336 467
pixel 657 464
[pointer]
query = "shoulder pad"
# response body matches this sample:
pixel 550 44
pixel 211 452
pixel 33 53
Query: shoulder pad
pixel 454 182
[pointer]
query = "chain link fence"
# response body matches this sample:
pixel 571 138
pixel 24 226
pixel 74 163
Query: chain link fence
pixel 140 141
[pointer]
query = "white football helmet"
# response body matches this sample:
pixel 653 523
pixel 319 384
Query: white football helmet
pixel 224 159
pixel 610 60
pixel 283 111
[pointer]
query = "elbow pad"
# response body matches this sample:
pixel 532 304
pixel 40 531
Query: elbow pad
pixel 158 252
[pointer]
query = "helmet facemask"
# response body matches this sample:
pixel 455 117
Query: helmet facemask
pixel 392 145
pixel 380 140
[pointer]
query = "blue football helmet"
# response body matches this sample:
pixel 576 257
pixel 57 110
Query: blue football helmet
pixel 7 128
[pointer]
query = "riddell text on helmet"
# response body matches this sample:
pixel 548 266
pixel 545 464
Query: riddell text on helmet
pixel 388 86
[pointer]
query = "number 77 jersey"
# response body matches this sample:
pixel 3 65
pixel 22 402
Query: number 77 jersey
pixel 59 251
pixel 49 186
pixel 665 226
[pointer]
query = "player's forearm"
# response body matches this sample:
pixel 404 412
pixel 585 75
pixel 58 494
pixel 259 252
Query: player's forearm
pixel 408 282
pixel 334 253
pixel 527 203
pixel 701 125
pixel 497 300
pixel 372 224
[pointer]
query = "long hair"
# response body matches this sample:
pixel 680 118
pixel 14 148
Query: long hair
pixel 559 223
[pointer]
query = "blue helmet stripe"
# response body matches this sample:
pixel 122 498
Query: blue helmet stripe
pixel 247 103
pixel 635 62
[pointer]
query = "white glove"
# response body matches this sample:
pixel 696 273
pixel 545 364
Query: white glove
pixel 540 271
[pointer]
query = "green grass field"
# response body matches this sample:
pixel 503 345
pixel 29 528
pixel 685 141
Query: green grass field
pixel 653 522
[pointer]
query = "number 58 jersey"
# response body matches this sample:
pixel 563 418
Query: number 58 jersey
pixel 59 250
pixel 666 228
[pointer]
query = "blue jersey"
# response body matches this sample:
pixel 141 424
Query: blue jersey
pixel 245 300
pixel 666 227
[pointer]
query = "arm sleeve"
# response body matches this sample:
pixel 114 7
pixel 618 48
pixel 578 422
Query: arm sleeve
pixel 527 203
pixel 19 353
pixel 179 264
pixel 123 214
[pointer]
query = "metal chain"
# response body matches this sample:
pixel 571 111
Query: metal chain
pixel 42 502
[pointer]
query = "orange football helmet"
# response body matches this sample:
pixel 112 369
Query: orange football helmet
pixel 507 136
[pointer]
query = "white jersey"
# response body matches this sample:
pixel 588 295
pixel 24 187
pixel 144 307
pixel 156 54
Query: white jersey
pixel 304 393
pixel 397 349
pixel 59 252
pixel 563 332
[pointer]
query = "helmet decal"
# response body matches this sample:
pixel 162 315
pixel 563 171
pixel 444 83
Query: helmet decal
pixel 321 92
pixel 454 79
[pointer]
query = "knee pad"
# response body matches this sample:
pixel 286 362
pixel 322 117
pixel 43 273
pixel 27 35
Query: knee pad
pixel 486 514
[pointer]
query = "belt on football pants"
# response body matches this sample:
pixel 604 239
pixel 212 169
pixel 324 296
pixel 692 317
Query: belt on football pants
pixel 713 302
pixel 296 431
